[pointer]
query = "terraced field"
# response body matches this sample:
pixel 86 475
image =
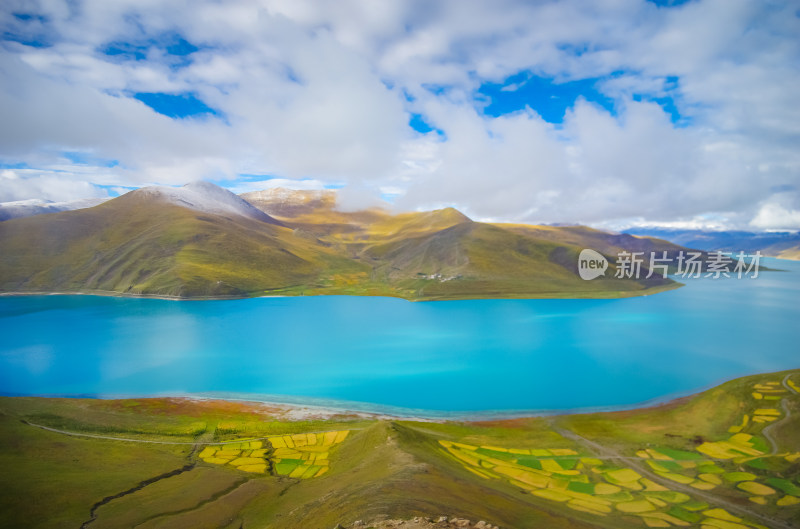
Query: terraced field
pixel 738 470
pixel 247 456
pixel 590 485
pixel 304 455
pixel 743 464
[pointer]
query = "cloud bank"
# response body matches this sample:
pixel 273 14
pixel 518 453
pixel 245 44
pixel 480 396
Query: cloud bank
pixel 609 113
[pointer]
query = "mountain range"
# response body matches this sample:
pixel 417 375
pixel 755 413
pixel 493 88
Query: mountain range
pixel 201 240
pixel 784 245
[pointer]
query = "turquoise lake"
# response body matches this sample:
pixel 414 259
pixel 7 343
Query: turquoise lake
pixel 381 354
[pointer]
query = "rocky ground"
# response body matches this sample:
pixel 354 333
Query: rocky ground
pixel 439 522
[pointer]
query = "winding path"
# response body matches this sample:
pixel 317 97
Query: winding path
pixel 786 384
pixel 192 443
pixel 129 440
pixel 767 430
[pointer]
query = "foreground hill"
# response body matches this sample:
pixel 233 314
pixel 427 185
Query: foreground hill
pixel 726 458
pixel 203 241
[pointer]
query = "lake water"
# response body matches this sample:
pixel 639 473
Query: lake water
pixel 377 354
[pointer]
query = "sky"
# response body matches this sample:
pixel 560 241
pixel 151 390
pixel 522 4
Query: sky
pixel 611 113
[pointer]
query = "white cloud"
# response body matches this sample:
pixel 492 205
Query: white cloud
pixel 18 184
pixel 772 216
pixel 717 222
pixel 312 91
pixel 357 197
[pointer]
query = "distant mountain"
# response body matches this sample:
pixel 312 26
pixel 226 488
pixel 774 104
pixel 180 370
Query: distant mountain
pixel 783 245
pixel 202 241
pixel 289 202
pixel 312 211
pixel 28 208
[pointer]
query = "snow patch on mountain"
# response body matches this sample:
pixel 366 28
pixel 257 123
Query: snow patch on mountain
pixel 27 208
pixel 208 198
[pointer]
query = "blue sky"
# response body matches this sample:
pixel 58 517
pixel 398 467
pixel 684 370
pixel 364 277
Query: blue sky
pixel 608 113
pixel 178 106
pixel 548 98
pixel 552 99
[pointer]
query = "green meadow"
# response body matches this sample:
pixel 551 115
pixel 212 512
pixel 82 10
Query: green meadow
pixel 703 461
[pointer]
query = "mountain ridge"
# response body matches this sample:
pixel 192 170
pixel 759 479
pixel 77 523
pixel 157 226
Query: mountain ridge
pixel 203 241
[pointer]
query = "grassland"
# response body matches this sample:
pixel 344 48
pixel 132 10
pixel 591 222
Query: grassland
pixel 704 461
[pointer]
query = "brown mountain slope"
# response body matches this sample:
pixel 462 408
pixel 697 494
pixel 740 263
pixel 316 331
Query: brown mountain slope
pixel 137 244
pixel 473 259
pixel 201 240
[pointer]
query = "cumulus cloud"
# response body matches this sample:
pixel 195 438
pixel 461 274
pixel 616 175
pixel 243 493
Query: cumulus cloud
pixel 688 113
pixel 54 187
pixel 774 217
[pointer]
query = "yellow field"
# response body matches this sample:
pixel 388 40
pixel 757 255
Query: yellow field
pixel 755 488
pixel 589 485
pixel 304 456
pixel 787 501
pixel 737 445
pixel 739 427
pixel 246 456
pixel 299 455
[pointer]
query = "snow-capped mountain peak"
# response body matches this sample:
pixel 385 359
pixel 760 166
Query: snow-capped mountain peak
pixel 209 198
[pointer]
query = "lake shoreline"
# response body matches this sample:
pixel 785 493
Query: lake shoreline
pixel 306 411
pixel 556 295
pixel 299 412
pixel 313 408
pixel 299 408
